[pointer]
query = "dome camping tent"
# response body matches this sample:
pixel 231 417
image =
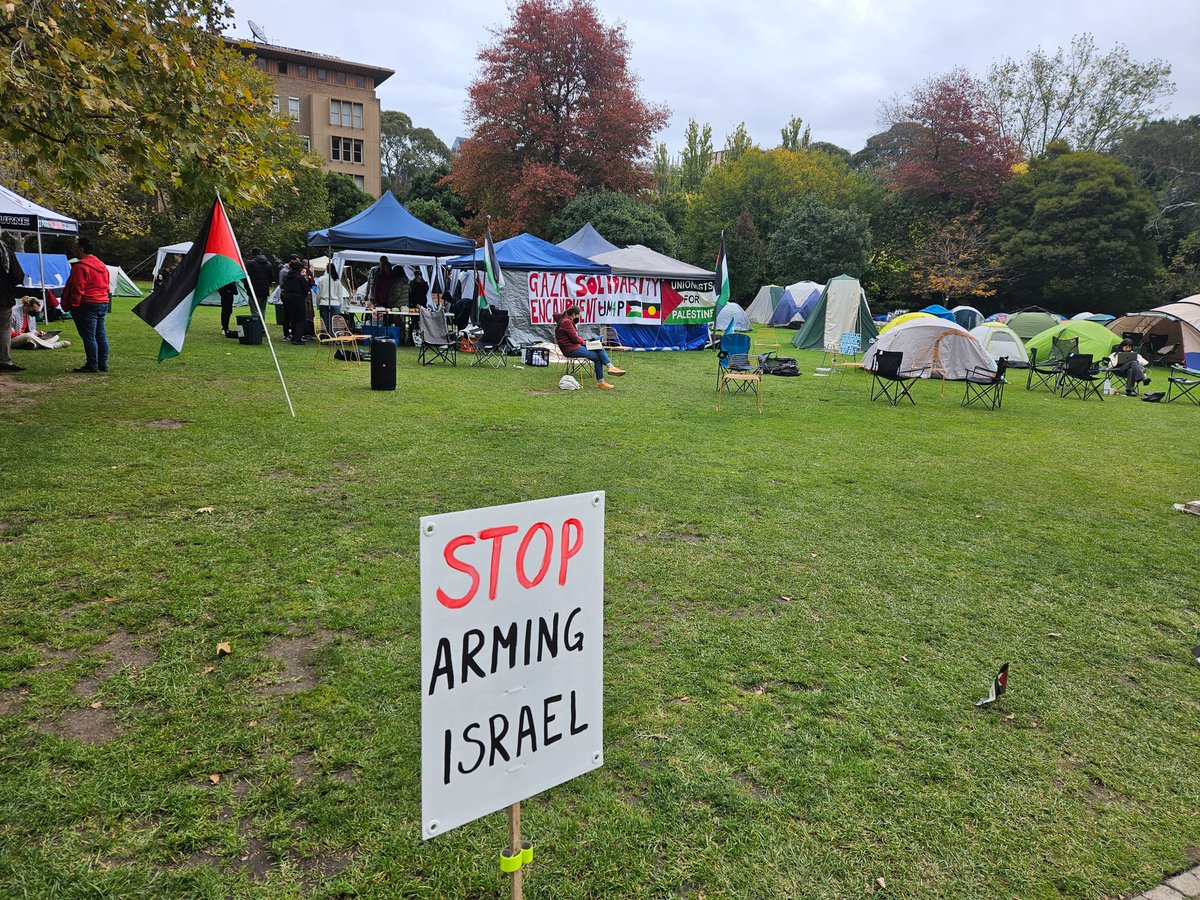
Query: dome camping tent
pixel 967 316
pixel 999 341
pixel 241 298
pixel 796 304
pixel 764 303
pixel 731 313
pixel 943 349
pixel 907 317
pixel 1174 325
pixel 936 309
pixel 840 309
pixel 1094 339
pixel 1029 322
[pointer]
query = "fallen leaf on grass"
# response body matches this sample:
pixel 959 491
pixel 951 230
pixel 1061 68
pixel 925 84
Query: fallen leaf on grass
pixel 978 516
pixel 1034 723
pixel 208 670
pixel 904 659
pixel 96 705
pixel 110 599
pixel 882 884
pixel 298 781
pixel 223 649
pixel 205 510
pixel 1054 635
pixel 215 778
pixel 309 581
pixel 253 723
pixel 785 599
pixel 1010 717
pixel 813 555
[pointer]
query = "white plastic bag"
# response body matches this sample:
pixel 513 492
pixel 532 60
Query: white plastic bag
pixel 568 383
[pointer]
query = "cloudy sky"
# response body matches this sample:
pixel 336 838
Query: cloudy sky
pixel 831 62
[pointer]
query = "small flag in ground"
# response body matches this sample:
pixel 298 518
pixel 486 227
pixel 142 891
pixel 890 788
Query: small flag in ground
pixel 721 288
pixel 213 262
pixel 493 277
pixel 999 686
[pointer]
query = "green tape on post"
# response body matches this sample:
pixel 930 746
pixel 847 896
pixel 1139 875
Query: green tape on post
pixel 526 853
pixel 510 863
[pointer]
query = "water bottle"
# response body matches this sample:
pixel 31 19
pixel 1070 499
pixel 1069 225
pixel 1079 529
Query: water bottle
pixel 1108 389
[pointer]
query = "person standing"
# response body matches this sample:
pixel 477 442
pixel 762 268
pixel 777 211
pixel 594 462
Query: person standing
pixel 11 276
pixel 418 291
pixel 227 293
pixel 379 284
pixel 86 298
pixel 294 290
pixel 260 273
pixel 330 294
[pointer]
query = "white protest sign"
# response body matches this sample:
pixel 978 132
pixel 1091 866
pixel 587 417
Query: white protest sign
pixel 512 654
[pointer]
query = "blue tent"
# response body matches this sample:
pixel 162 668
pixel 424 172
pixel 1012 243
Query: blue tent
pixel 526 253
pixel 587 241
pixel 57 269
pixel 810 304
pixel 936 309
pixel 786 309
pixel 385 225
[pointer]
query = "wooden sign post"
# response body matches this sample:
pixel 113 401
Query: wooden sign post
pixel 512 659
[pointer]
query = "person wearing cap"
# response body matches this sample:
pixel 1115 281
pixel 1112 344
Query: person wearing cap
pixel 1133 370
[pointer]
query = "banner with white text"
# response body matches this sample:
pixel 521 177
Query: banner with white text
pixel 620 299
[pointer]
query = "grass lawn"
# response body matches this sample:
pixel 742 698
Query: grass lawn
pixel 801 608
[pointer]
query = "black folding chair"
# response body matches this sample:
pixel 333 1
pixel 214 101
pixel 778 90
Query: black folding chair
pixel 1079 379
pixel 492 345
pixel 1157 351
pixel 887 379
pixel 1043 375
pixel 435 338
pixel 985 386
pixel 1186 380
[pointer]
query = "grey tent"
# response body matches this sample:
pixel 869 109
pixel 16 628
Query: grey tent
pixel 731 313
pixel 587 241
pixel 764 303
pixel 841 309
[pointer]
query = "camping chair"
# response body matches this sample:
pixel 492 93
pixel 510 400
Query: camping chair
pixel 1079 379
pixel 351 344
pixel 1156 350
pixel 1187 380
pixel 326 339
pixel 435 338
pixel 1044 375
pixel 735 373
pixel 849 345
pixel 611 342
pixel 985 386
pixel 492 345
pixel 1061 348
pixel 887 379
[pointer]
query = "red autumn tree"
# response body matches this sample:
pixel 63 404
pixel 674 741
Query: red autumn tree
pixel 554 112
pixel 955 152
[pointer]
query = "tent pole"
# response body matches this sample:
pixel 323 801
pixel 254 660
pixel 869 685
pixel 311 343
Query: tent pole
pixel 42 274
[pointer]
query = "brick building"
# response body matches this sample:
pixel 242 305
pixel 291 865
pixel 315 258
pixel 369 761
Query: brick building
pixel 332 104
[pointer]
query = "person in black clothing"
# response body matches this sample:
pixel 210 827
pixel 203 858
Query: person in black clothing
pixel 227 294
pixel 418 290
pixel 294 290
pixel 260 273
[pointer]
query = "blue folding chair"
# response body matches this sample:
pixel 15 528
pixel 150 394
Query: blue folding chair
pixel 735 372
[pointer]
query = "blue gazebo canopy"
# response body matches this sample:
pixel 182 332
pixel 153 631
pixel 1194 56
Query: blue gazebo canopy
pixel 387 225
pixel 528 253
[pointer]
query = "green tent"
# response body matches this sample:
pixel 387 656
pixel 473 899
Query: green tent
pixel 120 284
pixel 1029 322
pixel 841 309
pixel 1094 338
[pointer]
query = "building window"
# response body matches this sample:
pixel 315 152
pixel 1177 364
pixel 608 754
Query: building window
pixel 275 104
pixel 322 75
pixel 360 81
pixel 294 108
pixel 341 77
pixel 262 64
pixel 345 114
pixel 342 149
pixel 302 71
pixel 282 68
pixel 307 142
pixel 361 182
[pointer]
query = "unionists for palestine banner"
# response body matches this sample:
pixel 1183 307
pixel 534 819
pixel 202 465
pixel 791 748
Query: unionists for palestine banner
pixel 619 299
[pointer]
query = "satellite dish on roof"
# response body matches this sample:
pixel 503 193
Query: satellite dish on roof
pixel 257 31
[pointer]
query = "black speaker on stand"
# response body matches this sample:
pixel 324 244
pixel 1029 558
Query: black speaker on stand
pixel 383 364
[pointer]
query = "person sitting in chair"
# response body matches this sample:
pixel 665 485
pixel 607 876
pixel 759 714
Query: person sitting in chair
pixel 1129 364
pixel 571 345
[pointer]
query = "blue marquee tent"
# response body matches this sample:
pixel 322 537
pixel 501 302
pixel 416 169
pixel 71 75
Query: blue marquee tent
pixel 386 225
pixel 55 265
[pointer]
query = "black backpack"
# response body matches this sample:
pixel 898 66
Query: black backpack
pixel 770 364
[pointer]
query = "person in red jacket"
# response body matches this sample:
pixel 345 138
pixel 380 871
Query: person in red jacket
pixel 86 298
pixel 569 342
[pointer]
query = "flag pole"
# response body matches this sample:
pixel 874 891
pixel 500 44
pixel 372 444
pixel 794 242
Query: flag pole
pixel 261 315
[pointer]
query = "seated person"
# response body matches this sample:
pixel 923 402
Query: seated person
pixel 24 328
pixel 569 342
pixel 1133 368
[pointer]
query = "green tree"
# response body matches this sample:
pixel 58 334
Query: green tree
pixel 697 157
pixel 619 217
pixel 291 211
pixel 792 137
pixel 345 198
pixel 736 144
pixel 93 89
pixel 765 184
pixel 435 185
pixel 433 213
pixel 815 242
pixel 407 151
pixel 746 252
pixel 1072 234
pixel 1080 96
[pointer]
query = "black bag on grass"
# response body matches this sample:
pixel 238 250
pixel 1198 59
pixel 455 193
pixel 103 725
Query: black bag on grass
pixel 778 365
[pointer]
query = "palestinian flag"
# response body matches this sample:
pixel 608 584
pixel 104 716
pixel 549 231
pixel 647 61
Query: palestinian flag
pixel 722 282
pixel 493 277
pixel 633 309
pixel 213 262
pixel 999 686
